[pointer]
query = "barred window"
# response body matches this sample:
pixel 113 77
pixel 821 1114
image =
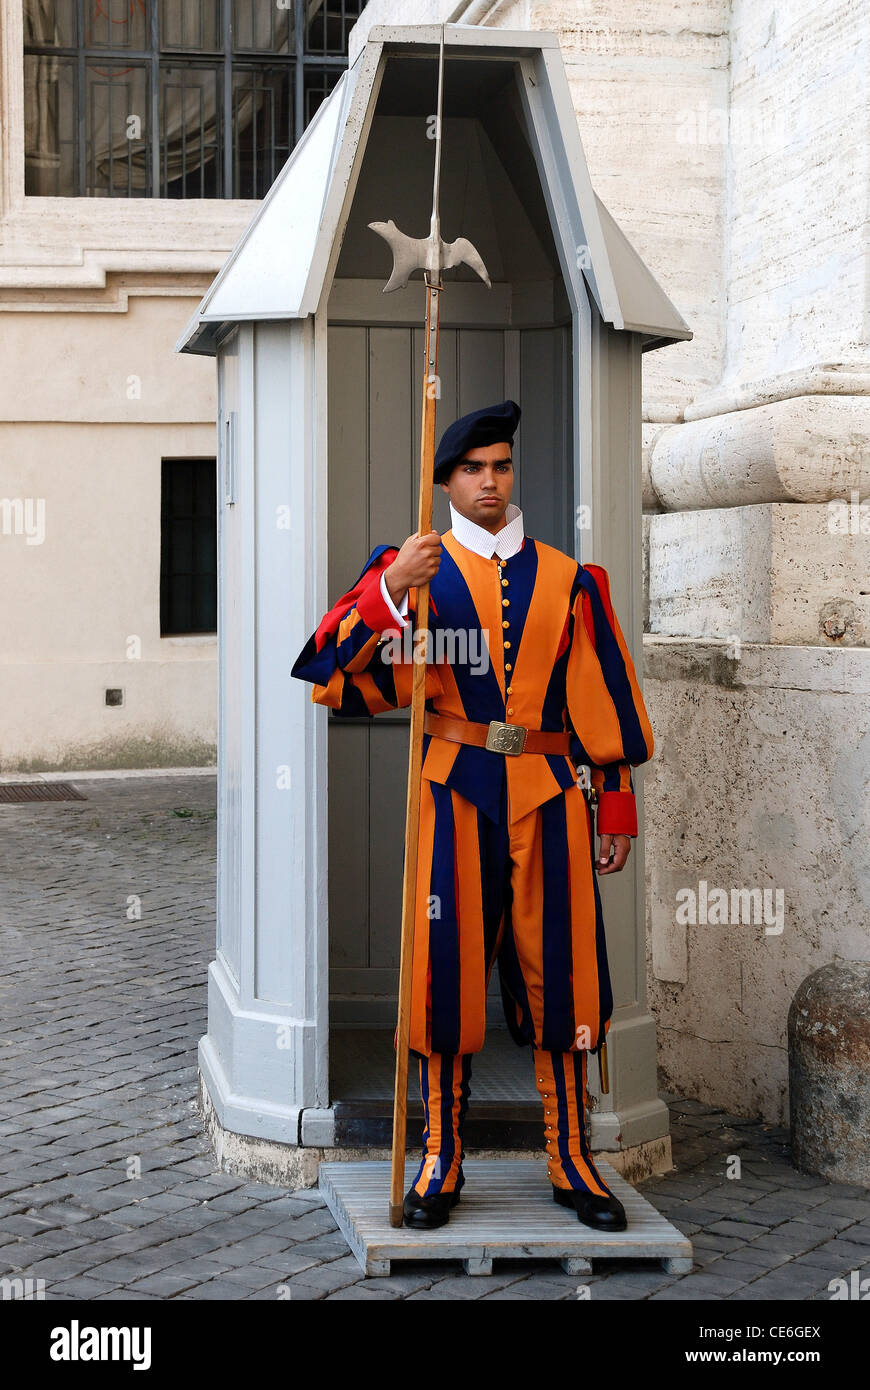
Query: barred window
pixel 174 98
pixel 188 546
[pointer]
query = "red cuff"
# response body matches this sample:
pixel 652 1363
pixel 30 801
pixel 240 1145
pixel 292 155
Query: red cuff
pixel 373 610
pixel 617 813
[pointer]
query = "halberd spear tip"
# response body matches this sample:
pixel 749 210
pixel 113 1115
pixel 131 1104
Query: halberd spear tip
pixel 430 253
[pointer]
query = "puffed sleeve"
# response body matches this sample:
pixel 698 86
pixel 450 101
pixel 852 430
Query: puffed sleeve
pixel 355 659
pixel 606 710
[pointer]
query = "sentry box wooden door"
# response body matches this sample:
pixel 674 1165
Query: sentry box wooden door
pixel 374 375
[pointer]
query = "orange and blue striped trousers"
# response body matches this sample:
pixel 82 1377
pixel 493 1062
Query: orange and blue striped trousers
pixel 561 1081
pixel 522 892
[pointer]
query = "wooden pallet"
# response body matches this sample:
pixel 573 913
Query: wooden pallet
pixel 506 1211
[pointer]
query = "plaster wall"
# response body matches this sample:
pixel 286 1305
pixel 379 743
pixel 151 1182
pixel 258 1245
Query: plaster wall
pixel 90 403
pixel 94 293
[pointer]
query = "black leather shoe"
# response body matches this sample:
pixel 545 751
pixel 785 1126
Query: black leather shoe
pixel 602 1213
pixel 424 1213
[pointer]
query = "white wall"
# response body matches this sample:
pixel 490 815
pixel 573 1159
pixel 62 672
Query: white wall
pixel 94 292
pixel 89 405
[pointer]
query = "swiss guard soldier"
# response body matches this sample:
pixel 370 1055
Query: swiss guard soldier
pixel 538 681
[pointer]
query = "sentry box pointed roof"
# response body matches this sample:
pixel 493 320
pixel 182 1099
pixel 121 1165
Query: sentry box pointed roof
pixel 527 151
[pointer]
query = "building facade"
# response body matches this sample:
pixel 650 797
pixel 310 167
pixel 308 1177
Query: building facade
pixel 137 142
pixel 727 139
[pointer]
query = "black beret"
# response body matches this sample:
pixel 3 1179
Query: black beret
pixel 495 424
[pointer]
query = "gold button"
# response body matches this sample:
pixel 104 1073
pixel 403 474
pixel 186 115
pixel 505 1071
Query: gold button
pixel 510 691
pixel 510 711
pixel 505 623
pixel 507 666
pixel 505 603
pixel 504 583
pixel 507 644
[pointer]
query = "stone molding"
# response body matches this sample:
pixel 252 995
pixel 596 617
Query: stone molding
pixel 759 665
pixel 806 448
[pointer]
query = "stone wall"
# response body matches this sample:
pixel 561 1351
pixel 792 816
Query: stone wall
pixel 759 783
pixel 760 538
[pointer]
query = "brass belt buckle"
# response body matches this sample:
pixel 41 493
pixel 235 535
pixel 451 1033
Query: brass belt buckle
pixel 506 738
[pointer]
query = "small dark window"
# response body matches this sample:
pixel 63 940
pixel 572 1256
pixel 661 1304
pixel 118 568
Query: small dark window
pixel 188 547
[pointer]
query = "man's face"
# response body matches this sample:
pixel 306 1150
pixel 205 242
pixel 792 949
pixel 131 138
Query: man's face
pixel 480 485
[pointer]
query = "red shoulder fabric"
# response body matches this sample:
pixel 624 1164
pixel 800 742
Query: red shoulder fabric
pixel 603 587
pixel 329 623
pixel 563 640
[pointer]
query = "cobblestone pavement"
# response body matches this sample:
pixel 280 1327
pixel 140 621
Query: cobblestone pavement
pixel 108 1189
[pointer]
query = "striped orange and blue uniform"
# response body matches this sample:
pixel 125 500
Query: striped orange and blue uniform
pixel 505 853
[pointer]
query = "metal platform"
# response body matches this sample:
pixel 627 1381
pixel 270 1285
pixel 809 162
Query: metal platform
pixel 506 1211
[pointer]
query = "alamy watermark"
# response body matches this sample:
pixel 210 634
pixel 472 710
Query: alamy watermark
pixel 22 1286
pixel 23 516
pixel 454 646
pixel 850 518
pixel 735 907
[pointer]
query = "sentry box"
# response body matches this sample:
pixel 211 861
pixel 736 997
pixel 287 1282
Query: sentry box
pixel 318 390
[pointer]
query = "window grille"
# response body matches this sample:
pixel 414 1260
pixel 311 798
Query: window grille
pixel 174 98
pixel 188 547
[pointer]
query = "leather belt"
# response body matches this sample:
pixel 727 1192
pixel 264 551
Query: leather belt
pixel 496 735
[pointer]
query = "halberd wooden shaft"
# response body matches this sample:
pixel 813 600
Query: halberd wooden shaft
pixel 415 760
